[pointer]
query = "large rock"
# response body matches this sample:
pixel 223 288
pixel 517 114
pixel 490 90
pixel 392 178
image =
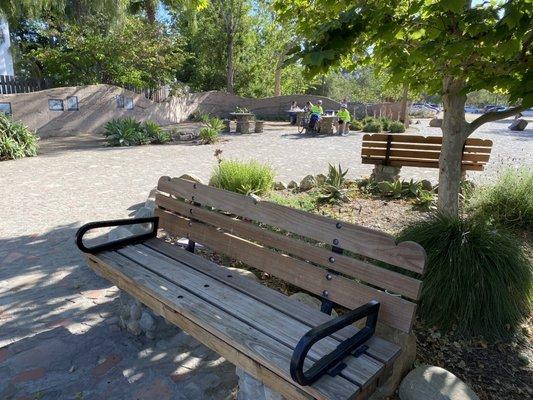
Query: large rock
pixel 388 173
pixel 518 125
pixel 404 362
pixel 307 183
pixel 191 177
pixel 119 232
pixel 435 122
pixel 143 212
pixel 292 185
pixel 244 273
pixel 279 185
pixel 320 179
pixel 252 389
pixel 309 300
pixel 434 383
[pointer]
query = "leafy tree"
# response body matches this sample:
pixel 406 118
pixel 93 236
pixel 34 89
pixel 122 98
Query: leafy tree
pixel 89 54
pixel 450 47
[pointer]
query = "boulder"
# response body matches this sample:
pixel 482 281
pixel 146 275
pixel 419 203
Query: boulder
pixel 388 173
pixel 134 328
pixel 146 322
pixel 252 389
pixel 426 185
pixel 142 212
pixel 434 383
pixel 320 179
pixel 292 185
pixel 309 300
pixel 404 362
pixel 279 185
pixel 191 177
pixel 244 273
pixel 150 201
pixel 307 183
pixel 435 122
pixel 119 232
pixel 518 125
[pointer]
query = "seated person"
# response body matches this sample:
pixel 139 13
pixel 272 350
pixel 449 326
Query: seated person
pixel 344 121
pixel 316 113
pixel 293 112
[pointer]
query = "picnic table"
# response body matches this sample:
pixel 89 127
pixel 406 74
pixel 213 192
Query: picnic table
pixel 243 121
pixel 327 122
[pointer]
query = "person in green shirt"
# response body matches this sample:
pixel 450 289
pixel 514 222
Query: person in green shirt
pixel 344 121
pixel 317 108
pixel 316 112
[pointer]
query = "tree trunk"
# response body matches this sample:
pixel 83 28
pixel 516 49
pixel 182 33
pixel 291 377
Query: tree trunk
pixel 150 11
pixel 404 114
pixel 277 81
pixel 455 130
pixel 230 68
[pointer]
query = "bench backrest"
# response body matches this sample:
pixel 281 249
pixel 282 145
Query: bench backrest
pixel 419 151
pixel 298 247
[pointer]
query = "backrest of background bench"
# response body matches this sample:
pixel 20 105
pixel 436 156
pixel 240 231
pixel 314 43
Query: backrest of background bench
pixel 296 246
pixel 420 151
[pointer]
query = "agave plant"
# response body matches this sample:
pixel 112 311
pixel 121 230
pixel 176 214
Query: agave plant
pixel 16 140
pixel 155 133
pixel 125 132
pixel 333 189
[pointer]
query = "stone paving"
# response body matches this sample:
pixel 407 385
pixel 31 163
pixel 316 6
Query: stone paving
pixel 59 334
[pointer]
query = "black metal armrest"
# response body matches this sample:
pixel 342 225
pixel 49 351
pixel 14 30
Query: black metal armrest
pixel 120 242
pixel 332 362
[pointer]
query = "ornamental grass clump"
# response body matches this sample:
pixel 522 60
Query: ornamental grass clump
pixel 245 177
pixel 478 279
pixel 509 202
pixel 125 132
pixel 372 126
pixel 16 140
pixel 396 127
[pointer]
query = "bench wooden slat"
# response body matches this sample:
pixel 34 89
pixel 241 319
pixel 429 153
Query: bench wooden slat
pixel 421 155
pixel 364 271
pixel 416 146
pixel 190 312
pixel 425 164
pixel 379 349
pixel 358 239
pixel 283 328
pixel 377 137
pixel 394 311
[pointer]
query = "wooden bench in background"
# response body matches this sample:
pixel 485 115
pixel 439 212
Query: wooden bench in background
pixel 399 150
pixel 270 336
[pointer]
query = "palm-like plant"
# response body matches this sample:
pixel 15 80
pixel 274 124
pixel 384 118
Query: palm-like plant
pixel 333 189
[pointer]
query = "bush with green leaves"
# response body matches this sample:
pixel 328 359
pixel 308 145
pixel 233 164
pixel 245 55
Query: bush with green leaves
pixel 333 189
pixel 508 202
pixel 398 189
pixel 301 201
pixel 125 132
pixel 209 135
pixel 478 279
pixel 16 140
pixel 372 126
pixel 155 133
pixel 356 125
pixel 245 177
pixel 385 122
pixel 396 127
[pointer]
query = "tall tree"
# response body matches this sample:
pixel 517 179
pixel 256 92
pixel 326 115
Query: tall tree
pixel 450 47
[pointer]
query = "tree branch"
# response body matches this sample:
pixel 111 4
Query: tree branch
pixel 493 116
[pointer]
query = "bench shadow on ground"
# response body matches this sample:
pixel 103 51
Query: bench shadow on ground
pixel 60 336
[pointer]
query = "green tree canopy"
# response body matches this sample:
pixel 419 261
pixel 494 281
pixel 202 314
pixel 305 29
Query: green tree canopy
pixel 449 47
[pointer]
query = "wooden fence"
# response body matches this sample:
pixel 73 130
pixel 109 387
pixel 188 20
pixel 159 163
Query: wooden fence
pixel 11 84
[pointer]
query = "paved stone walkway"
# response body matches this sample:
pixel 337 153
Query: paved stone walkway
pixel 59 337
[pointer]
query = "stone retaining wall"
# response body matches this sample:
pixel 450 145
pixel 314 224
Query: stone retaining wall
pixel 98 105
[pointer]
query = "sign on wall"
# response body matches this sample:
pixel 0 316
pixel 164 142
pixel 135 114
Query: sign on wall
pixel 56 105
pixel 6 108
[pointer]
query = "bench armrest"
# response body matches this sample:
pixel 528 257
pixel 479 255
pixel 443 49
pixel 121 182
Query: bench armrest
pixel 120 242
pixel 332 362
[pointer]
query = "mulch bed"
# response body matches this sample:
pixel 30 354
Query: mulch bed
pixel 493 370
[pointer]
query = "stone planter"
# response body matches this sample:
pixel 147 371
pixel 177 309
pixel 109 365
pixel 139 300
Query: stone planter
pixel 259 126
pixel 227 126
pixel 385 173
pixel 243 127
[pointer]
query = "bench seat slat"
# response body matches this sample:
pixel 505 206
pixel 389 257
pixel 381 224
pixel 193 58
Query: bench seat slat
pixel 420 154
pixel 359 269
pixel 394 311
pixel 160 294
pixel 419 163
pixel 421 146
pixel 358 239
pixel 379 349
pixel 377 137
pixel 362 370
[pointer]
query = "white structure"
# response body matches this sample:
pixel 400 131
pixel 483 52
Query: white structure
pixel 6 61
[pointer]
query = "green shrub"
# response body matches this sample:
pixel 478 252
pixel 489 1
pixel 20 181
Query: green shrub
pixel 372 126
pixel 209 135
pixel 509 202
pixel 478 280
pixel 16 140
pixel 396 127
pixel 301 201
pixel 385 122
pixel 125 132
pixel 368 119
pixel 155 133
pixel 356 125
pixel 249 177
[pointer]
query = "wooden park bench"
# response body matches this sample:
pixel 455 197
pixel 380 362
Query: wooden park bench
pixel 269 335
pixel 399 150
